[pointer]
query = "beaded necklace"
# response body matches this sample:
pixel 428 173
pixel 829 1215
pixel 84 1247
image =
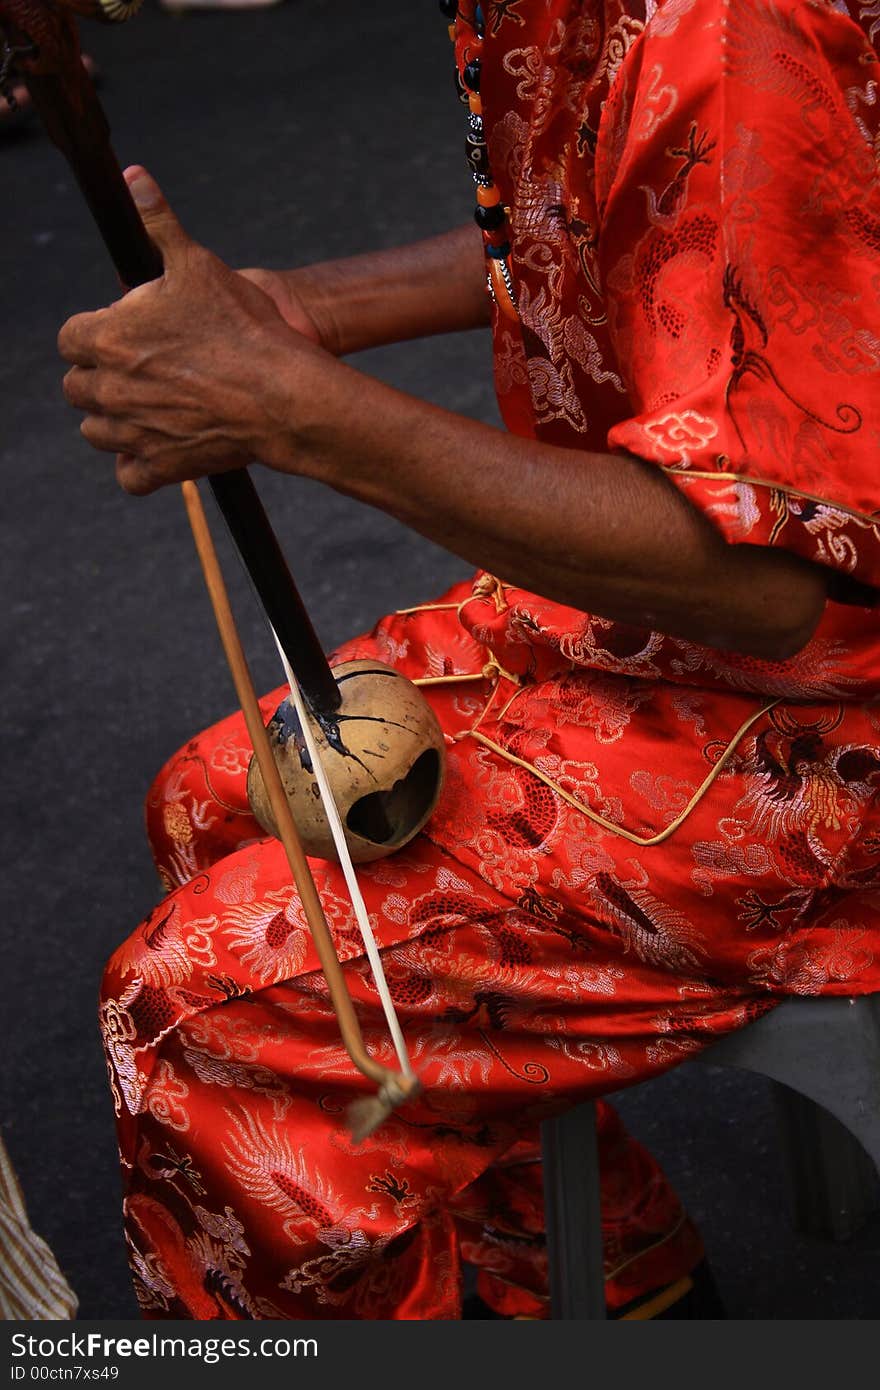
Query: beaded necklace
pixel 490 214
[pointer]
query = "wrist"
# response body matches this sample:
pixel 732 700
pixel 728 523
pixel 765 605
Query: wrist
pixel 318 291
pixel 296 406
pixel 392 296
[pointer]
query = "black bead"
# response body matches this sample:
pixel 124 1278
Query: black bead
pixel 478 157
pixel 479 22
pixel 472 75
pixel 498 253
pixel 487 219
pixel 449 8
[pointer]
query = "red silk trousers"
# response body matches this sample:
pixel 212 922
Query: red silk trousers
pixel 244 1195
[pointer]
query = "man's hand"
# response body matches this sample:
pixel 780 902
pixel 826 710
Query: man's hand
pixel 190 374
pixel 290 303
pixel 200 371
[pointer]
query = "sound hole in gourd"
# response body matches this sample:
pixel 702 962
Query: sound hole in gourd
pixel 385 817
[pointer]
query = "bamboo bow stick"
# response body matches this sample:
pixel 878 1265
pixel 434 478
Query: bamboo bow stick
pixel 43 38
pixel 394 1088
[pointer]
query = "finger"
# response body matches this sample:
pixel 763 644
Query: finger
pixel 102 391
pixel 109 435
pixel 161 223
pixel 76 340
pixel 81 388
pixel 136 476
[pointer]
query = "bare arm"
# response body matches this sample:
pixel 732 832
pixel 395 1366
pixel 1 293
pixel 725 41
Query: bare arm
pixel 432 286
pixel 607 534
pixel 197 373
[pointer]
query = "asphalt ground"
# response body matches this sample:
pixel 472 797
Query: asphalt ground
pixel 309 130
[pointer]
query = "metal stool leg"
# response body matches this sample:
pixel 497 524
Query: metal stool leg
pixel 835 1185
pixel 572 1215
pixel 828 1050
pixel 825 1055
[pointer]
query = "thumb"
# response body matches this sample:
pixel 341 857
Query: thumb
pixel 156 215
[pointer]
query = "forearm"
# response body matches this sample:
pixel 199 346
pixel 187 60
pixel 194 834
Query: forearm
pixel 199 372
pixel 429 287
pixel 605 534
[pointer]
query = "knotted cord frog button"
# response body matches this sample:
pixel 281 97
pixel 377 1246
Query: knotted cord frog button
pixel 494 671
pixel 487 586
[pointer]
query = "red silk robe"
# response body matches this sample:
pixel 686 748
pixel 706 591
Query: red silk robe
pixel 642 842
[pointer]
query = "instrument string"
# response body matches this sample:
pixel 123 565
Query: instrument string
pixel 337 830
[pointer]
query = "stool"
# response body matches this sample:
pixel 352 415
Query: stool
pixel 824 1055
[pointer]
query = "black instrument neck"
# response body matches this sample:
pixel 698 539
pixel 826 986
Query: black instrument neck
pixel 83 137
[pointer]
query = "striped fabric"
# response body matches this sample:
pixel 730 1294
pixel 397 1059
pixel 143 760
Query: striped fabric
pixel 31 1284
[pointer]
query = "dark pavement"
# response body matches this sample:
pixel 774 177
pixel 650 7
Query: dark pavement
pixel 293 134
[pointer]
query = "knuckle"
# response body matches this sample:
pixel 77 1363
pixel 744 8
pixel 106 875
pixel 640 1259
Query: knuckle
pixel 134 475
pixel 89 429
pixel 103 393
pixel 65 339
pixel 127 480
pixel 100 341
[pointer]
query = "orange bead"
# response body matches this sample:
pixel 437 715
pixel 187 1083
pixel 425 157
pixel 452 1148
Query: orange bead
pixel 475 104
pixel 487 197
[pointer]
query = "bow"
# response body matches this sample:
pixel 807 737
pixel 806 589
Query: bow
pixel 314 733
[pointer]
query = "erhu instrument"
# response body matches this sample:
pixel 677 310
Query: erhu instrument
pixel 360 734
